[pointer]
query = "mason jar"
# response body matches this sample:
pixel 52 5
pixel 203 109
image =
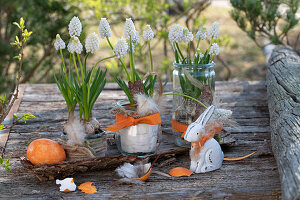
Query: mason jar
pixel 140 139
pixel 197 81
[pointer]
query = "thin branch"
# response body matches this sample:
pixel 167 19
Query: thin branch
pixel 15 95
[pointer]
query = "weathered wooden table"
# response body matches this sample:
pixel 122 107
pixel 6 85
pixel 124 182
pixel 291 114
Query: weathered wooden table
pixel 253 178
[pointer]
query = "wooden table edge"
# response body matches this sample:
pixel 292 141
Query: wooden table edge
pixel 4 134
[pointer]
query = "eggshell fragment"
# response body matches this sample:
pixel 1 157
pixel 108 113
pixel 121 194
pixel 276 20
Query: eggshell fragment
pixel 180 171
pixel 145 177
pixel 87 187
pixel 66 185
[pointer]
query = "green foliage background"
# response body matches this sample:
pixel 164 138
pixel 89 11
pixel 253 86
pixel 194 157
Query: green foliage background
pixel 46 18
pixel 266 19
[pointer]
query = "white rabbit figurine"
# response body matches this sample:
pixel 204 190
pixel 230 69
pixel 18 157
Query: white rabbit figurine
pixel 208 156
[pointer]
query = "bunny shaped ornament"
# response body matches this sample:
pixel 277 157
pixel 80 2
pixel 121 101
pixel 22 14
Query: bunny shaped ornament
pixel 206 153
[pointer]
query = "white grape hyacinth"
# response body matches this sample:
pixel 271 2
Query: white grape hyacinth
pixel 59 43
pixel 148 34
pixel 121 48
pixel 75 27
pixel 214 49
pixel 136 38
pixel 92 43
pixel 201 34
pixel 201 55
pixel 74 45
pixel 175 33
pixel 104 28
pixel 129 29
pixel 214 31
pixel 187 36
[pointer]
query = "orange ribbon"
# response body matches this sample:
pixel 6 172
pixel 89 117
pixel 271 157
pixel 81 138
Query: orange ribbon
pixel 123 122
pixel 179 127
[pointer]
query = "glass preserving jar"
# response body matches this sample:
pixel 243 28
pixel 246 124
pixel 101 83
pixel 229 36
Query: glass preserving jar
pixel 197 81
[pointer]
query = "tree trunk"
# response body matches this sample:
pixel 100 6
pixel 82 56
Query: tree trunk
pixel 283 82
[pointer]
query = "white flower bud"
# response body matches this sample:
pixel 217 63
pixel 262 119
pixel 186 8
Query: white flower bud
pixel 104 28
pixel 201 34
pixel 214 31
pixel 121 48
pixel 59 43
pixel 74 45
pixel 129 29
pixel 148 34
pixel 92 43
pixel 75 27
pixel 214 49
pixel 187 36
pixel 175 33
pixel 136 38
pixel 201 55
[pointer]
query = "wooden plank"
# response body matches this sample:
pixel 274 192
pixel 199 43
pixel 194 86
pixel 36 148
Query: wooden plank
pixel 4 134
pixel 283 81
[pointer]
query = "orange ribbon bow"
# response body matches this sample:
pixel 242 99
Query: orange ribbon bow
pixel 123 122
pixel 179 127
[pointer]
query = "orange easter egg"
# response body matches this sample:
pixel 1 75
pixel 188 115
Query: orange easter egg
pixel 43 151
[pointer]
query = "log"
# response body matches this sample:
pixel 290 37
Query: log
pixel 283 89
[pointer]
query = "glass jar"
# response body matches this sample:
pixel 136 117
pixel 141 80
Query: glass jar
pixel 140 139
pixel 200 85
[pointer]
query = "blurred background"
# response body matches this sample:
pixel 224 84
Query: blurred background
pixel 246 26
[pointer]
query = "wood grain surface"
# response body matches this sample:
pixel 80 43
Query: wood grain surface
pixel 283 81
pixel 253 178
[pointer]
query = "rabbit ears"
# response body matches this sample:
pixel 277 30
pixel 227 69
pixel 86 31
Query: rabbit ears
pixel 205 116
pixel 194 131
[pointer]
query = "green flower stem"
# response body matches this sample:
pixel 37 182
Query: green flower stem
pixel 176 53
pixel 89 89
pixel 180 53
pixel 187 97
pixel 63 62
pixel 76 69
pixel 81 68
pixel 198 44
pixel 131 62
pixel 85 63
pixel 122 63
pixel 104 59
pixel 151 60
pixel 70 68
pixel 83 85
pixel 151 69
pixel 189 53
pixel 69 78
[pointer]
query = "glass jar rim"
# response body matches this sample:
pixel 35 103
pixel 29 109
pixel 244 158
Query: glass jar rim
pixel 179 65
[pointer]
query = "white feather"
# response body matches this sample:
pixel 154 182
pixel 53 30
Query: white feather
pixel 146 105
pixel 221 115
pixel 75 132
pixel 127 171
